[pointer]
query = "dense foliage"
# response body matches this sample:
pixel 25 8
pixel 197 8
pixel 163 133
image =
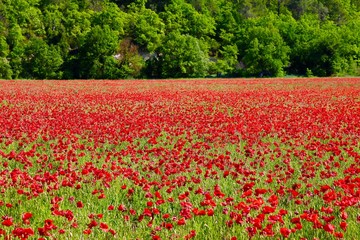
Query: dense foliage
pixel 65 39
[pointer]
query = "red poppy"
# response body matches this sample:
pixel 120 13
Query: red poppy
pixel 285 232
pixel 79 204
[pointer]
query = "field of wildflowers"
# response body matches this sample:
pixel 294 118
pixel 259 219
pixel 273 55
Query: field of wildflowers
pixel 180 159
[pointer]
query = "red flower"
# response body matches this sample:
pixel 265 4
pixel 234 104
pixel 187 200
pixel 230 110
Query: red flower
pixel 268 230
pixel 343 225
pixel 25 217
pixel 192 234
pixel 79 204
pixel 251 231
pixel 267 210
pixel 101 196
pixel 210 212
pixel 122 207
pixel 49 224
pixel 344 215
pixel 181 221
pixel 23 233
pixel 7 222
pixel 44 231
pixel 283 212
pixel 295 220
pixel 104 227
pixel 285 232
pixel 92 224
pixel 112 231
pixel 329 228
pixel 273 200
pixel 260 191
pixel 168 226
pixel 147 212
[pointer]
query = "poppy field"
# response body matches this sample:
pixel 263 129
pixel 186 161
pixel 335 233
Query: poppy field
pixel 181 159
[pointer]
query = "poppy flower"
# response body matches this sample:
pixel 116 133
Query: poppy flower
pixel 285 232
pixel 329 227
pixel 7 222
pixel 79 204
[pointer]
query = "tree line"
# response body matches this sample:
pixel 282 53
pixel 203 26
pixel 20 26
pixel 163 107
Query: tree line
pixel 116 39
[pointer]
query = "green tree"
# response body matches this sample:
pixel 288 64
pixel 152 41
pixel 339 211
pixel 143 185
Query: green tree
pixel 145 27
pixel 5 68
pixel 16 42
pixel 67 23
pixel 99 44
pixel 26 14
pixel 112 16
pixel 41 61
pixel 337 10
pixel 183 56
pixel 252 8
pixel 263 51
pixel 225 53
pixel 323 48
pixel 179 38
pixel 183 17
pixel 346 60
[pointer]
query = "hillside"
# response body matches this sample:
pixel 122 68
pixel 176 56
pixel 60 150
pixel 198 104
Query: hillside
pixel 96 39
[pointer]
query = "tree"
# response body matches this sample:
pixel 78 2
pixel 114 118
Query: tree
pixel 66 24
pixel 182 17
pixel 16 43
pixel 99 44
pixel 41 61
pixel 337 10
pixel 178 38
pixel 346 60
pixel 146 27
pixel 252 8
pixel 225 53
pixel 112 16
pixel 183 56
pixel 262 48
pixel 5 68
pixel 323 48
